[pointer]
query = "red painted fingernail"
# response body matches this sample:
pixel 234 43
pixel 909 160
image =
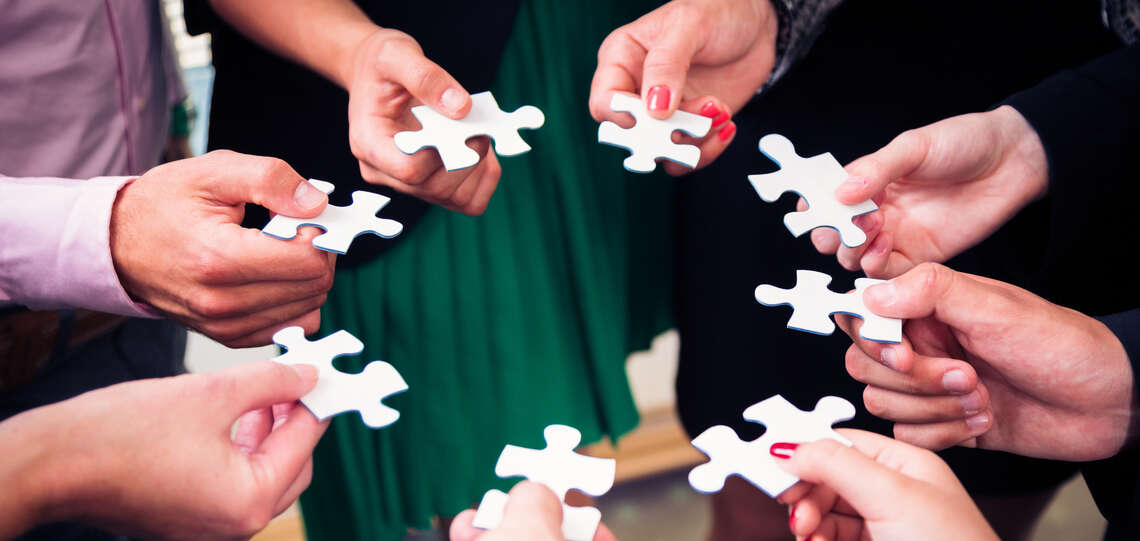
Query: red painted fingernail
pixel 726 132
pixel 792 519
pixel 783 450
pixel 709 109
pixel 720 119
pixel 658 98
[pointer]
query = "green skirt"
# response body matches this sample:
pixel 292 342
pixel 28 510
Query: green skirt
pixel 504 323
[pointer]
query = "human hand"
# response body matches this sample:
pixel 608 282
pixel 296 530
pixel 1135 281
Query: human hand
pixel 154 458
pixel 991 365
pixel 880 489
pixel 702 56
pixel 940 189
pixel 177 245
pixel 389 75
pixel 533 513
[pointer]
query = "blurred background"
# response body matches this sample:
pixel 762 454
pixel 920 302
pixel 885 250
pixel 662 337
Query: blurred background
pixel 652 500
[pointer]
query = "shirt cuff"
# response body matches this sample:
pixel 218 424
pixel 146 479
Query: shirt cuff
pixel 55 249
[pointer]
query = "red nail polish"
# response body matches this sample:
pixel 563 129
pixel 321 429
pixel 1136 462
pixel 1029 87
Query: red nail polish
pixel 783 450
pixel 720 119
pixel 792 519
pixel 709 109
pixel 658 98
pixel 726 132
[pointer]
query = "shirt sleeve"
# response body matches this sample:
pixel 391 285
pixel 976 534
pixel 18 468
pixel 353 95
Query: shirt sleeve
pixel 800 21
pixel 55 247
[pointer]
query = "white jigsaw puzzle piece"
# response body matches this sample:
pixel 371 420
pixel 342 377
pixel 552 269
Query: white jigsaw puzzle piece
pixel 336 391
pixel 814 179
pixel 341 224
pixel 651 138
pixel 560 469
pixel 752 460
pixel 449 136
pixel 813 303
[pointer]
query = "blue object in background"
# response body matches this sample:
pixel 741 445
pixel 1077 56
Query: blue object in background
pixel 200 85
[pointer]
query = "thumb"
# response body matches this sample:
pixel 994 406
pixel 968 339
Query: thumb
pixel 405 63
pixel 269 182
pixel 533 512
pixel 665 68
pixel 866 485
pixel 935 290
pixel 871 174
pixel 262 384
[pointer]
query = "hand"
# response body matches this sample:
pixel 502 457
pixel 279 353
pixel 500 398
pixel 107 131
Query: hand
pixel 940 189
pixel 533 513
pixel 988 364
pixel 177 245
pixel 154 458
pixel 702 56
pixel 389 75
pixel 881 489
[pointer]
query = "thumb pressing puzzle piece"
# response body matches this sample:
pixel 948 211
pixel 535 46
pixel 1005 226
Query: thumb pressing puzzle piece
pixel 813 304
pixel 341 224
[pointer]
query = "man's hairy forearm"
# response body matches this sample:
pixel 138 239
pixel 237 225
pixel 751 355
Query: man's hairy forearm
pixel 319 34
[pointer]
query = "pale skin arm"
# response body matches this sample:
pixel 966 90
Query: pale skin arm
pixel 154 458
pixel 385 73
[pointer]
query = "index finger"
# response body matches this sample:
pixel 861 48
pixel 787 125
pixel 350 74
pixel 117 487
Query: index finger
pixel 619 62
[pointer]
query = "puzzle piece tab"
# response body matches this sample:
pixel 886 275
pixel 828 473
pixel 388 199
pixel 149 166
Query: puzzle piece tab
pixel 651 138
pixel 814 303
pixel 751 460
pixel 336 391
pixel 341 224
pixel 559 468
pixel 814 179
pixel 449 136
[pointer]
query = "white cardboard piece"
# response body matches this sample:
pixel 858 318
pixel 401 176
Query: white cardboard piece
pixel 651 138
pixel 559 468
pixel 336 391
pixel 814 179
pixel 813 304
pixel 341 224
pixel 752 460
pixel 449 136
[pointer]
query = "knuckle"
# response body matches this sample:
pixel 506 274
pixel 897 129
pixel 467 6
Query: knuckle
pixel 406 171
pixel 211 304
pixel 872 400
pixel 272 169
pixel 853 361
pixel 209 267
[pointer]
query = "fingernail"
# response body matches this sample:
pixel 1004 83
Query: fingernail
pixel 306 196
pixel 726 132
pixel 885 294
pixel 709 109
pixel 955 381
pixel 720 119
pixel 658 98
pixel 852 184
pixel 866 222
pixel 972 403
pixel 792 519
pixel 879 247
pixel 890 358
pixel 307 372
pixel 978 421
pixel 278 421
pixel 783 450
pixel 452 100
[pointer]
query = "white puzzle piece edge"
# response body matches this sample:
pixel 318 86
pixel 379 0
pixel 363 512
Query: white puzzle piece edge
pixel 813 303
pixel 341 224
pixel 650 138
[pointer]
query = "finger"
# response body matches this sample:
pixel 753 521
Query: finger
pixel 871 174
pixel 235 178
pixel 259 385
pixel 404 62
pixel 619 59
pixel 667 65
pixel 299 484
pixel 485 187
pixel 238 301
pixel 288 449
pixel 825 239
pixel 252 428
pixel 849 257
pixel 309 322
pixel 921 409
pixel 867 485
pixel 931 288
pixel 238 255
pixel 533 512
pixel 721 133
pixel 261 326
pixel 808 513
pixel 462 528
pixel 928 376
pixel 876 258
pixel 941 435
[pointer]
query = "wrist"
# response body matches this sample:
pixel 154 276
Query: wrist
pixel 361 40
pixel 33 478
pixel 1023 146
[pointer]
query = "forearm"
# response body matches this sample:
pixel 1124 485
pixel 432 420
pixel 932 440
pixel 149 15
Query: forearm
pixel 319 34
pixel 26 477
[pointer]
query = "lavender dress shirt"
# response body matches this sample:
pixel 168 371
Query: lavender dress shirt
pixel 86 89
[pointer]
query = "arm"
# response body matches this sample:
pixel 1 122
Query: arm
pixel 800 22
pixel 56 249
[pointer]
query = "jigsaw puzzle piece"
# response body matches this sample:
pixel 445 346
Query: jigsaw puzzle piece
pixel 813 304
pixel 336 391
pixel 815 180
pixel 578 523
pixel 449 136
pixel 340 224
pixel 752 461
pixel 650 138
